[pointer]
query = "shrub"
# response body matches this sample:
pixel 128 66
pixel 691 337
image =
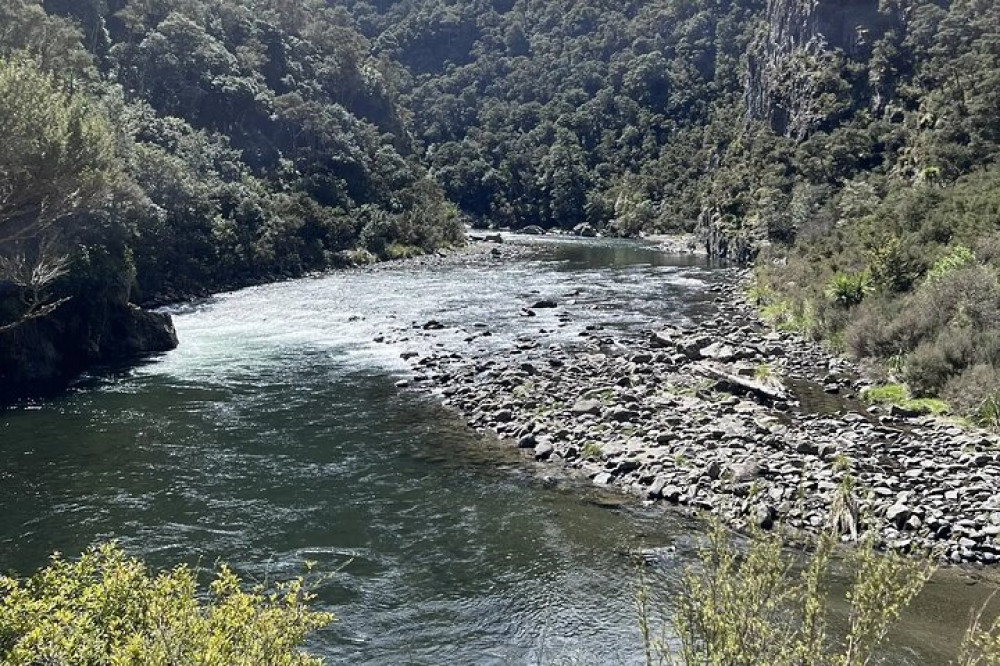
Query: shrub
pixel 959 257
pixel 930 367
pixel 969 390
pixel 107 608
pixel 849 289
pixel 765 606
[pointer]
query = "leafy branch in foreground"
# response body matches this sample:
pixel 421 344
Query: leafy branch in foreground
pixel 107 608
pixel 765 606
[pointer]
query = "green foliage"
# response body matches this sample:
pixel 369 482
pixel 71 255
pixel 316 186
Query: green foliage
pixel 108 608
pixel 849 289
pixel 57 167
pixel 959 257
pixel 981 646
pixel 592 450
pixel 767 606
pixel 254 138
pixel 897 394
pixel 764 372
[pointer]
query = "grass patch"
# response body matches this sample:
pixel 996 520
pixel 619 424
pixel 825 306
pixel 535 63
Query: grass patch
pixel 764 372
pixel 592 450
pixel 897 394
pixel 402 251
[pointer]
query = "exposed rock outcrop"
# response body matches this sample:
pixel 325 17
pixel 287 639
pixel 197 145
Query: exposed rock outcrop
pixel 46 354
pixel 788 83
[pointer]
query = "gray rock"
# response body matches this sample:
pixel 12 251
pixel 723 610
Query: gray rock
pixel 527 442
pixel 719 352
pixel 544 451
pixel 746 472
pixel 898 514
pixel 592 407
pixel 603 479
pixel 763 516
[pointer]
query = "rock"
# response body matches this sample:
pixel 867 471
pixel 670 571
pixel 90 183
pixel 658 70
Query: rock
pixel 763 516
pixel 622 414
pixel 544 451
pixel 692 346
pixel 746 472
pixel 545 304
pixel 603 479
pixel 899 412
pixel 663 339
pixel 585 230
pixel 533 230
pixel 504 416
pixel 433 325
pixel 672 494
pixel 582 407
pixel 406 356
pixel 719 352
pixel 527 442
pixel 898 514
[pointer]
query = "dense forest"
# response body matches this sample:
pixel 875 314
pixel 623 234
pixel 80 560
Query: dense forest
pixel 188 146
pixel 158 150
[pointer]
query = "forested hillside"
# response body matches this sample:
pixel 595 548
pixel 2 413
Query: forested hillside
pixel 160 149
pixel 851 143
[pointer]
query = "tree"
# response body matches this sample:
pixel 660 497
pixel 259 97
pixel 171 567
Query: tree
pixel 57 160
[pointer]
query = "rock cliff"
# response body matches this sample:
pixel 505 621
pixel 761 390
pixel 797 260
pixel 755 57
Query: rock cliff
pixel 794 62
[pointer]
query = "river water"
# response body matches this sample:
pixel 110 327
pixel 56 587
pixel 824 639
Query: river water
pixel 276 434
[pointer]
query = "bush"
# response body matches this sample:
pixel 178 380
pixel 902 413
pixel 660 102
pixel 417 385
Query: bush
pixel 976 394
pixel 959 257
pixel 849 289
pixel 766 606
pixel 107 608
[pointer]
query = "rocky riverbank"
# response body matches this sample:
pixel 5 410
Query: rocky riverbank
pixel 720 416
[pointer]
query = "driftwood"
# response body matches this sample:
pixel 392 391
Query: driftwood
pixel 766 391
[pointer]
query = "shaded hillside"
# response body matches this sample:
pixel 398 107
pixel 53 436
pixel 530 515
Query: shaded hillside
pixel 239 142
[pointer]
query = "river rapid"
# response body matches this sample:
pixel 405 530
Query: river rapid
pixel 277 433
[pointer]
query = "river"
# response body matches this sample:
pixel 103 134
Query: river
pixel 276 433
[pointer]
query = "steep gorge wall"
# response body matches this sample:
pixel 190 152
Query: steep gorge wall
pixel 795 85
pixel 802 37
pixel 45 354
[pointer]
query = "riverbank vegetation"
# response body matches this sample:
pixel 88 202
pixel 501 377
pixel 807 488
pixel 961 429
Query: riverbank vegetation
pixel 108 608
pixel 764 603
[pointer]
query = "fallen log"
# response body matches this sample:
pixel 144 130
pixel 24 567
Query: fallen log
pixel 766 391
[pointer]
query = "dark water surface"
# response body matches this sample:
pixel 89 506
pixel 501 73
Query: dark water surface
pixel 275 434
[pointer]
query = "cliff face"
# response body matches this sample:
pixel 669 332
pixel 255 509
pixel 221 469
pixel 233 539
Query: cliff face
pixel 46 354
pixel 804 42
pixel 809 70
